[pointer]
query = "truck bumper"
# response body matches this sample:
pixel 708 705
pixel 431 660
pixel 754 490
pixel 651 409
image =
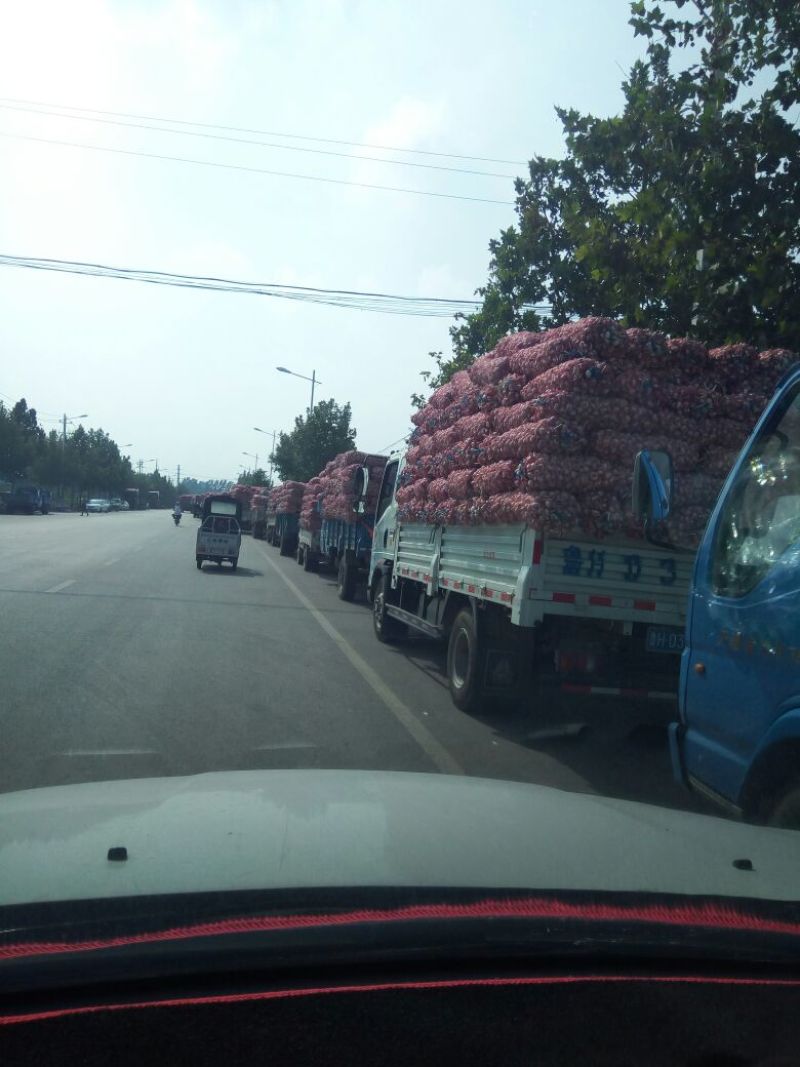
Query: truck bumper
pixel 675 734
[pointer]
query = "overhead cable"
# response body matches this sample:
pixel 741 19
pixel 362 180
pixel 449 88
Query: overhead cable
pixel 257 144
pixel 252 170
pixel 267 133
pixel 386 303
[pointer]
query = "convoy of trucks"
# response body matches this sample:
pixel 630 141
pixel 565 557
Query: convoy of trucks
pixel 712 635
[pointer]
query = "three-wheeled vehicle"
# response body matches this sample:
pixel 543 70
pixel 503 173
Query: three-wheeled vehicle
pixel 220 535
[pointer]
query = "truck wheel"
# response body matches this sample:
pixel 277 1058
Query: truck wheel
pixel 486 666
pixel 234 564
pixel 285 545
pixel 300 555
pixel 199 562
pixel 387 629
pixel 463 663
pixel 785 812
pixel 310 561
pixel 346 582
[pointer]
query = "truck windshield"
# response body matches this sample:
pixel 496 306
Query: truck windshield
pixel 761 519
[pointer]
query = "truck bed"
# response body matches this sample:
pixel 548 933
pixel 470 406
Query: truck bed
pixel 535 575
pixel 336 536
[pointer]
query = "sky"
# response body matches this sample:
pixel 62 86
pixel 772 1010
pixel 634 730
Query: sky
pixel 181 377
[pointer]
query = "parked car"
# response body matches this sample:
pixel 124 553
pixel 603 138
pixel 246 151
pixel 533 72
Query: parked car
pixel 117 504
pixel 98 504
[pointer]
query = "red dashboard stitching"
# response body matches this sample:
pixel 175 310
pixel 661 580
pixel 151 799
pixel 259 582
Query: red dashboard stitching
pixel 714 916
pixel 382 987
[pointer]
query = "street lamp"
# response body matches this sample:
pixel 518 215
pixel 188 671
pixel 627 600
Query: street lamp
pixel 313 379
pixel 269 433
pixel 69 418
pixel 252 455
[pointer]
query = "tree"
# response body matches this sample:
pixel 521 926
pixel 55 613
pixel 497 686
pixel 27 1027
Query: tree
pixel 257 477
pixel 21 437
pixel 680 214
pixel 315 439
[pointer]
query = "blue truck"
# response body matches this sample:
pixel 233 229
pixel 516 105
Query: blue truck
pixel 28 499
pixel 282 530
pixel 737 738
pixel 347 548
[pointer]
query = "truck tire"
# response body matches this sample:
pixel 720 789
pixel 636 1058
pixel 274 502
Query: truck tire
pixel 347 579
pixel 478 655
pixel 387 629
pixel 299 555
pixel 463 663
pixel 198 560
pixel 310 561
pixel 785 810
pixel 234 564
pixel 285 545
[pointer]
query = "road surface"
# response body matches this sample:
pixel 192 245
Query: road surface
pixel 119 658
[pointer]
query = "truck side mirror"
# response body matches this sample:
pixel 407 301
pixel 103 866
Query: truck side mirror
pixel 652 486
pixel 360 483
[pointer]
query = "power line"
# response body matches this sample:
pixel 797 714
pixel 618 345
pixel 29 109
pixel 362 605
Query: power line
pixel 268 133
pixel 386 448
pixel 257 144
pixel 386 303
pixel 251 170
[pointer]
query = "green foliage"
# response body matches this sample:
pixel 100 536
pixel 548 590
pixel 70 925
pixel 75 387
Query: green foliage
pixel 315 439
pixel 88 463
pixel 703 158
pixel 256 477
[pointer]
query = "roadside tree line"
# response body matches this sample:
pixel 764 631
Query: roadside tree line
pixel 84 463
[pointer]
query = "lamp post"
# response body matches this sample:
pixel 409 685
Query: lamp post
pixel 69 418
pixel 313 379
pixel 269 433
pixel 252 455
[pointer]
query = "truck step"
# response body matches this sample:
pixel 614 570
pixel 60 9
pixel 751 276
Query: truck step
pixel 430 629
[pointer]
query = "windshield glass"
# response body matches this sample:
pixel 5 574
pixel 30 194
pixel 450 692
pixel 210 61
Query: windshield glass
pixel 332 333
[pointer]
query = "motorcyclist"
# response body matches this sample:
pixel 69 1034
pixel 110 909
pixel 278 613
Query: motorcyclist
pixel 176 512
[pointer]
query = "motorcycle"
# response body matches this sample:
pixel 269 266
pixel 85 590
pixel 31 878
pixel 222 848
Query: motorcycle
pixel 176 518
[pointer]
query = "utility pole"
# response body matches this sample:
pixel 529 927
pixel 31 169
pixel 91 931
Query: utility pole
pixel 178 478
pixel 140 465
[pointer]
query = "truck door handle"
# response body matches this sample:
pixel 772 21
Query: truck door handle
pixel 385 538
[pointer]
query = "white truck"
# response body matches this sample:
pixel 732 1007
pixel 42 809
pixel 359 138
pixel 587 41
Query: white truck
pixel 520 608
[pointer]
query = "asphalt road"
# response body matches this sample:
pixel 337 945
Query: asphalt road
pixel 118 658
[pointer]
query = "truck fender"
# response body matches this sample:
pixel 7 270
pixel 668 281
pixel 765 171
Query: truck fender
pixel 375 578
pixel 776 759
pixel 453 603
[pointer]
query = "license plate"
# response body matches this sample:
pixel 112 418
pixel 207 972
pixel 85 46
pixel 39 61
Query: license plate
pixel 665 639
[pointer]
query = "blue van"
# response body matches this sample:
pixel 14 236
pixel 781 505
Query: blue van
pixel 737 740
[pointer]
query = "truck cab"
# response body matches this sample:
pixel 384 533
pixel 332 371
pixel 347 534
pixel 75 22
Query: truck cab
pixel 737 740
pixel 385 528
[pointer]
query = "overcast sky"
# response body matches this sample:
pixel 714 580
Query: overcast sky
pixel 184 376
